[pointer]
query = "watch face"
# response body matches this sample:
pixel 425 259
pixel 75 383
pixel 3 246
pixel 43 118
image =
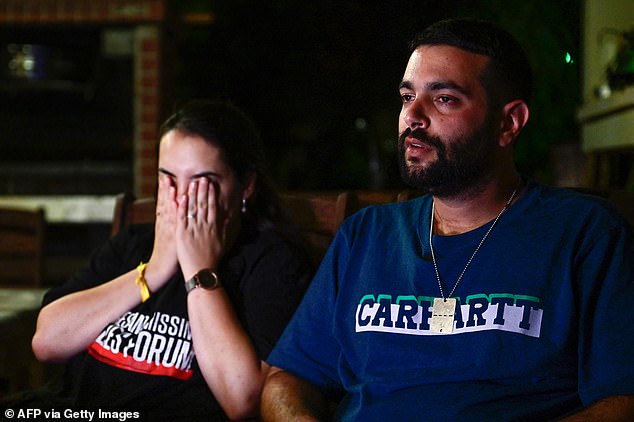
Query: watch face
pixel 207 279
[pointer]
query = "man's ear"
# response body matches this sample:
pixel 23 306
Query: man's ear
pixel 514 118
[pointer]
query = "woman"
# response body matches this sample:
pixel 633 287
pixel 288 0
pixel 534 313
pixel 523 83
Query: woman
pixel 185 333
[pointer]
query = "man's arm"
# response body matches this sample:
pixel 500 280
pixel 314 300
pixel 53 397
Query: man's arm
pixel 611 409
pixel 287 397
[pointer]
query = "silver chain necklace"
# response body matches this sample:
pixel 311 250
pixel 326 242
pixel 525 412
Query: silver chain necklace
pixel 445 307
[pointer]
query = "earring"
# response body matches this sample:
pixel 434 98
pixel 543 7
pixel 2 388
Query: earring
pixel 244 205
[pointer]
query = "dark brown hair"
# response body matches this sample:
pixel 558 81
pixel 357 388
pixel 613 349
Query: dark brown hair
pixel 228 128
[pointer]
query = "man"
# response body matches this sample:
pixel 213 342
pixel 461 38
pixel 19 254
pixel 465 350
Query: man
pixel 490 298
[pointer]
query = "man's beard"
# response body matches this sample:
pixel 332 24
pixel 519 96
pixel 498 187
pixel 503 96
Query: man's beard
pixel 463 165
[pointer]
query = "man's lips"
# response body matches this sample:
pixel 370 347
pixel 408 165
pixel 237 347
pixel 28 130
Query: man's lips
pixel 415 143
pixel 416 148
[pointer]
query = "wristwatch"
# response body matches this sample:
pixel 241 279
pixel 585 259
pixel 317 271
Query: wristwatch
pixel 205 279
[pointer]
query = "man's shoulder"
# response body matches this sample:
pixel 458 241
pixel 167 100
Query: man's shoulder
pixel 580 206
pixel 579 198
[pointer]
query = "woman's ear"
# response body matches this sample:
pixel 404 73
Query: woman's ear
pixel 514 118
pixel 249 185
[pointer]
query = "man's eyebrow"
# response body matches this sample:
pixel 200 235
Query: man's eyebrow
pixel 404 85
pixel 436 86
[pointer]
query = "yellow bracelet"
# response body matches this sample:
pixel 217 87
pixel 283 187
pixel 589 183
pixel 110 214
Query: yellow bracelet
pixel 140 281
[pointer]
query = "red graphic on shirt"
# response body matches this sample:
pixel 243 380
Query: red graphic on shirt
pixel 156 345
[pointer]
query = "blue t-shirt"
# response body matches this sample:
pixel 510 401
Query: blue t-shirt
pixel 543 324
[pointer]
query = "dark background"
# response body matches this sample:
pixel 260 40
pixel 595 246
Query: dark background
pixel 320 79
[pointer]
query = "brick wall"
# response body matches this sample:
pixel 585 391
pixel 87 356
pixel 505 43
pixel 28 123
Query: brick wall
pixel 146 108
pixel 80 11
pixel 146 16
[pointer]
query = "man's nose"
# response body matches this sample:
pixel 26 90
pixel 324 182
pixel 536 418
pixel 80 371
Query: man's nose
pixel 415 115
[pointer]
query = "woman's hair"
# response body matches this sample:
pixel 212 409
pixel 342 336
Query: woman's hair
pixel 225 126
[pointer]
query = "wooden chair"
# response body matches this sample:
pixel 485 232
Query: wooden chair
pixel 318 216
pixel 362 198
pixel 624 201
pixel 22 247
pixel 407 194
pixel 130 210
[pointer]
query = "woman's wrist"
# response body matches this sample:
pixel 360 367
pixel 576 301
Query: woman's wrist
pixel 156 276
pixel 203 279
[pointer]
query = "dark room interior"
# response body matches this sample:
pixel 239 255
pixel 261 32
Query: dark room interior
pixel 84 86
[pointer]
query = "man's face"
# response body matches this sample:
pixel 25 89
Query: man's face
pixel 446 135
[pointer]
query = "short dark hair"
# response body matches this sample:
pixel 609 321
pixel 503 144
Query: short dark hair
pixel 508 75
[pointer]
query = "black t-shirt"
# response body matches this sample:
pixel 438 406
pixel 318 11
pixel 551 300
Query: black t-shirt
pixel 145 360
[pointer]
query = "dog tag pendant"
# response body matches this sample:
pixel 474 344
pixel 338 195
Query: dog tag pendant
pixel 442 315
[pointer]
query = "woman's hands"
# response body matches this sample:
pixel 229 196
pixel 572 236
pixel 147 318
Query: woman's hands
pixel 201 230
pixel 191 230
pixel 164 262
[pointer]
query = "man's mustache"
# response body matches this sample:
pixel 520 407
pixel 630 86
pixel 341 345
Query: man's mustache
pixel 422 136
